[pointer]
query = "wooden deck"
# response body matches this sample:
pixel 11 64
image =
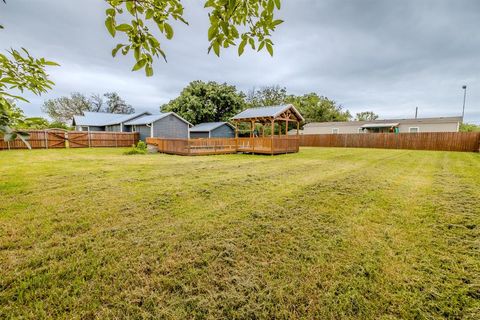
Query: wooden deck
pixel 197 147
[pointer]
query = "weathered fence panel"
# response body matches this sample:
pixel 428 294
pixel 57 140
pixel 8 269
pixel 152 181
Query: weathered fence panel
pixel 442 141
pixel 49 139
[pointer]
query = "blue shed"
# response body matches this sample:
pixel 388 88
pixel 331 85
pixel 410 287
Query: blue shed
pixel 212 130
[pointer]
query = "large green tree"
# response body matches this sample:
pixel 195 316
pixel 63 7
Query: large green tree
pixel 315 108
pixel 64 108
pixel 267 96
pixel 366 116
pixel 207 102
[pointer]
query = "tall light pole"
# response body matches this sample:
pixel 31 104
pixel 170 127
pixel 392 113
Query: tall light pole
pixel 464 98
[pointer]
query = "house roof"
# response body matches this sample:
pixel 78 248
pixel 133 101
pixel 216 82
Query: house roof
pixel 147 119
pixel 383 121
pixel 267 112
pixel 381 125
pixel 209 126
pixel 103 118
pixel 153 118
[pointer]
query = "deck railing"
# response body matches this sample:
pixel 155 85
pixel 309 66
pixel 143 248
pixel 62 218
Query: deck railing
pixel 263 145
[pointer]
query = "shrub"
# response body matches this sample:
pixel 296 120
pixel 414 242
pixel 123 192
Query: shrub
pixel 140 148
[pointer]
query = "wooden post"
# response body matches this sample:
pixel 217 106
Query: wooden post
pixel 272 134
pixel 45 137
pixel 251 135
pixel 8 145
pixel 89 143
pixel 236 136
pixel 116 140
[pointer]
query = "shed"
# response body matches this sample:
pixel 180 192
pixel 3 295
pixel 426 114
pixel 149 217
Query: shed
pixel 163 125
pixel 212 130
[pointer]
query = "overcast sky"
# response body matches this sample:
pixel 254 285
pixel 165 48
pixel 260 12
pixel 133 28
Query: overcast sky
pixel 388 56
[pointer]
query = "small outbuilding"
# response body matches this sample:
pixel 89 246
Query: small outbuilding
pixel 212 130
pixel 165 125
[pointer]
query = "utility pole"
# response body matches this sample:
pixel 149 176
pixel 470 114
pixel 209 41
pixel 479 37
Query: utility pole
pixel 416 112
pixel 464 99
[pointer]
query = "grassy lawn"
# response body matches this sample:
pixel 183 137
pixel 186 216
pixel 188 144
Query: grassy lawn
pixel 325 234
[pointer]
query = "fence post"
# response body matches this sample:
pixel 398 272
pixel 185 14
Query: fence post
pixel 8 145
pixel 116 143
pixel 89 143
pixel 45 137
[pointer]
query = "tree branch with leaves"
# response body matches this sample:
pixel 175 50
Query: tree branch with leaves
pixel 232 22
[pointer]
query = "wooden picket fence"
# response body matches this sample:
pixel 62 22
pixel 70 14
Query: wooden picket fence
pixel 54 139
pixel 442 141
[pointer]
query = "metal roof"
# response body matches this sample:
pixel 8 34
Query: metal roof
pixel 147 119
pixel 209 126
pixel 103 118
pixel 266 112
pixel 400 121
pixel 380 125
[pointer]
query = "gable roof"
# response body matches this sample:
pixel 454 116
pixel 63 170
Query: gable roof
pixel 267 112
pixel 396 121
pixel 209 126
pixel 153 118
pixel 100 119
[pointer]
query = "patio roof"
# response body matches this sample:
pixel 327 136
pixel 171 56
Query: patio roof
pixel 380 125
pixel 269 113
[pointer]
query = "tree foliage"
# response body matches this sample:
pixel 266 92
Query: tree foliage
pixel 469 127
pixel 232 22
pixel 366 116
pixel 63 109
pixel 313 107
pixel 21 72
pixel 267 96
pixel 207 102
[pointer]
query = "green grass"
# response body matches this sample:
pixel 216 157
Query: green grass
pixel 325 234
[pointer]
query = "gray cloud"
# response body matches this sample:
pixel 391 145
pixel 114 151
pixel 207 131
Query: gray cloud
pixel 388 56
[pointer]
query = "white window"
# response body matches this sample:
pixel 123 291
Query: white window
pixel 83 128
pixel 414 129
pixel 360 130
pixel 335 130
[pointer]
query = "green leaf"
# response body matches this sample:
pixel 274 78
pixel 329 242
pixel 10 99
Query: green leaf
pixel 115 50
pixel 168 31
pixel 216 48
pixel 241 47
pixel 212 31
pixel 270 49
pixel 277 22
pixel 149 70
pixel 110 12
pixel 124 27
pixel 252 43
pixel 139 65
pixel 110 24
pixel 277 4
pixel 52 63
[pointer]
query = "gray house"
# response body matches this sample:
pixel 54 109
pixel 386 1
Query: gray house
pixel 441 124
pixel 102 121
pixel 164 125
pixel 212 130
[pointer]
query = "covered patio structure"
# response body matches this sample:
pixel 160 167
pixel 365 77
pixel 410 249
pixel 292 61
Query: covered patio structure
pixel 267 129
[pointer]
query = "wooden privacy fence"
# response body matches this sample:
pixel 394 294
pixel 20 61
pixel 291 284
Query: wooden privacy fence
pixel 192 147
pixel 442 141
pixel 52 139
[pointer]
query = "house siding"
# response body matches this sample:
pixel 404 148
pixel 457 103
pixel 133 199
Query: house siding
pixel 114 128
pixel 403 128
pixel 198 135
pixel 224 131
pixel 170 127
pixel 144 131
